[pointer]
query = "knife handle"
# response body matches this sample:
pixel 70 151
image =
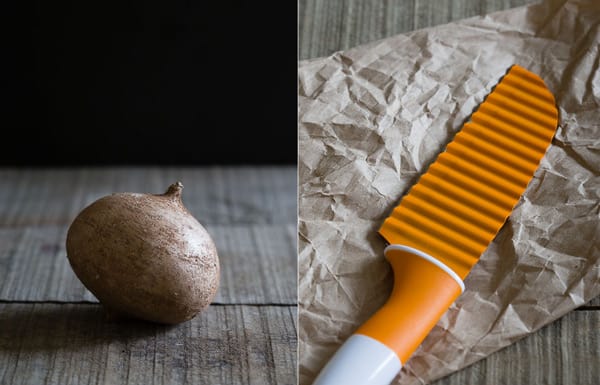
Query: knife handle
pixel 424 289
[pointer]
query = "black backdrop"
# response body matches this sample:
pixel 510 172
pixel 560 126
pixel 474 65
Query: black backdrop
pixel 176 83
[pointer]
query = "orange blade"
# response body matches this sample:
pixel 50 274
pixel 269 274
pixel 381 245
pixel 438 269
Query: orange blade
pixel 458 206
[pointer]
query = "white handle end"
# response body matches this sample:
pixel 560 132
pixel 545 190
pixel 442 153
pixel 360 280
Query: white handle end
pixel 361 360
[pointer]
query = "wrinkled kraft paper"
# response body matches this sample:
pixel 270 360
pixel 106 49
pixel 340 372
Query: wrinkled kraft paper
pixel 372 118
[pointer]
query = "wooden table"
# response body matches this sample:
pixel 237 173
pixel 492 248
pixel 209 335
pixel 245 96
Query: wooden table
pixel 564 352
pixel 53 331
pixel 328 26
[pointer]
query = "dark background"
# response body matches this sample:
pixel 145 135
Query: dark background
pixel 177 83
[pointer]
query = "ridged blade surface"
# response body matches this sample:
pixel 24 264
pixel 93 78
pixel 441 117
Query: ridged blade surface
pixel 457 207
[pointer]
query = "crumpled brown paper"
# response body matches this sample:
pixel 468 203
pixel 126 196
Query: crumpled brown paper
pixel 370 120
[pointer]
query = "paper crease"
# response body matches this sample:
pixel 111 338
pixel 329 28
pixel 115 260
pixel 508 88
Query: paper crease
pixel 370 121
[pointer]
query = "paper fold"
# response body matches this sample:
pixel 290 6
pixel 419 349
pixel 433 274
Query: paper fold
pixel 372 118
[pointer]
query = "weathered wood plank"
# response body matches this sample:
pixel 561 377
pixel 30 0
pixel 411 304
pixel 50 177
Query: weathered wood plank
pixel 565 352
pixel 73 344
pixel 258 265
pixel 326 26
pixel 214 195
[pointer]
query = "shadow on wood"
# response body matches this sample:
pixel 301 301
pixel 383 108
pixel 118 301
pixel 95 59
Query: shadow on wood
pixel 54 343
pixel 38 328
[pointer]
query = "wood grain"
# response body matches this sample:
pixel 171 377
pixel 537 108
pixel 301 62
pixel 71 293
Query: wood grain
pixel 565 352
pixel 327 26
pixel 214 195
pixel 73 344
pixel 258 265
pixel 52 330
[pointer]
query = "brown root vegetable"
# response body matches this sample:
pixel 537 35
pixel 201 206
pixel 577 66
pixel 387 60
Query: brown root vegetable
pixel 145 256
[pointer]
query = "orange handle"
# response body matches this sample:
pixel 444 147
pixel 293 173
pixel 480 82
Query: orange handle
pixel 423 291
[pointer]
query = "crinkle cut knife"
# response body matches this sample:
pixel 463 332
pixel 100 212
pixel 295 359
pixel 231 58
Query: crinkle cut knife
pixel 446 221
